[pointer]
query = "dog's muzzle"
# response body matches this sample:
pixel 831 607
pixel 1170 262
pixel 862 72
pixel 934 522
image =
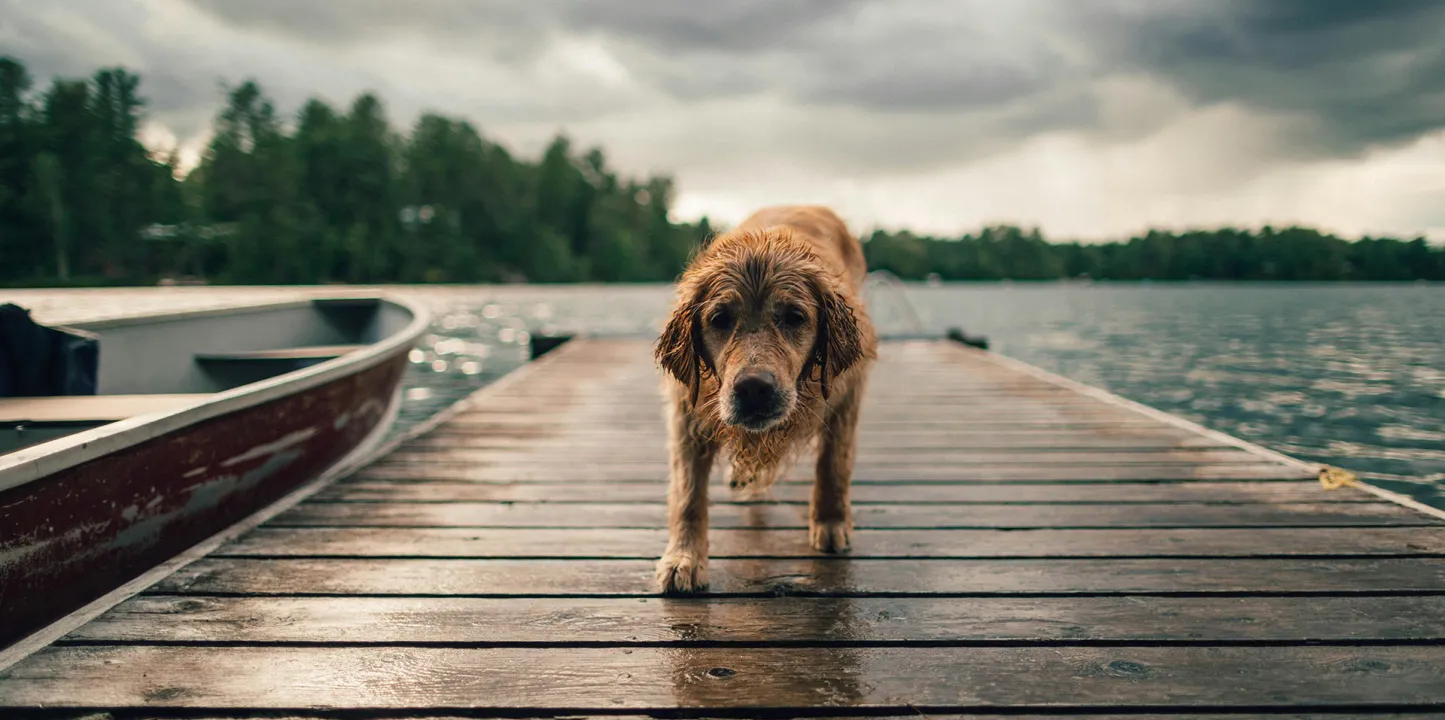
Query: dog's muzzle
pixel 757 401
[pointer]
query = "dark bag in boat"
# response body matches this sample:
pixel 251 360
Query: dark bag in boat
pixel 39 360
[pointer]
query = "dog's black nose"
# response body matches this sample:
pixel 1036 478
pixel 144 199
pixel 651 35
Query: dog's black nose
pixel 756 394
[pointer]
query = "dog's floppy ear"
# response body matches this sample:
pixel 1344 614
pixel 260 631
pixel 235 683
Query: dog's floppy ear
pixel 838 345
pixel 680 349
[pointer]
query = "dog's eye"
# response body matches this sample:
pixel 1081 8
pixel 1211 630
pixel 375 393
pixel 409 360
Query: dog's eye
pixel 721 320
pixel 792 318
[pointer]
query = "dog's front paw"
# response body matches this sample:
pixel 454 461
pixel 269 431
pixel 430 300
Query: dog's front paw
pixel 682 572
pixel 830 537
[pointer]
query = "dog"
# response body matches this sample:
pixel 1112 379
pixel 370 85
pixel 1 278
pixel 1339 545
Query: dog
pixel 766 353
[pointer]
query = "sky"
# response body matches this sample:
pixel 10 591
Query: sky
pixel 1089 119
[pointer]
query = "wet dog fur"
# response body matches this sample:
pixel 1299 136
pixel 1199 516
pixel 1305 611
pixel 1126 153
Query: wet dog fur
pixel 766 353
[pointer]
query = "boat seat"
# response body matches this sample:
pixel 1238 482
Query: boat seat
pixel 90 408
pixel 310 352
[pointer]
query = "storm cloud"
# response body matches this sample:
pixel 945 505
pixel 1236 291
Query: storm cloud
pixel 1362 73
pixel 1207 111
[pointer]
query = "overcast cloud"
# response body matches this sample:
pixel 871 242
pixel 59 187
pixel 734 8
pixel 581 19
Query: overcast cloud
pixel 1089 118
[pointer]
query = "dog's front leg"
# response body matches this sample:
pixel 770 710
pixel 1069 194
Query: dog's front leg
pixel 683 568
pixel 830 518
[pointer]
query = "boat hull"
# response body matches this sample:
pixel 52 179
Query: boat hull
pixel 75 534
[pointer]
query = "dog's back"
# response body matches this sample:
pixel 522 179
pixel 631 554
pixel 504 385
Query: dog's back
pixel 822 228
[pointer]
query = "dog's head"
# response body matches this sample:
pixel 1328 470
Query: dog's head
pixel 761 315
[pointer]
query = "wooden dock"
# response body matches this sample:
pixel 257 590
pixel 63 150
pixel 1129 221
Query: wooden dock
pixel 1024 545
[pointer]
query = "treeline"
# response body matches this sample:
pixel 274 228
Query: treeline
pixel 334 195
pixel 1229 254
pixel 327 196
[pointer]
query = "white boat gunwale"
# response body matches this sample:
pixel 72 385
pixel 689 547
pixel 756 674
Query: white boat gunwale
pixel 35 462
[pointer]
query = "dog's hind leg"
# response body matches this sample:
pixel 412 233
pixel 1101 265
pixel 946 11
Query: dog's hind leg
pixel 830 517
pixel 683 568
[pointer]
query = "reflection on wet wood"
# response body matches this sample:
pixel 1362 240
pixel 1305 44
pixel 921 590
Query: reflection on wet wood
pixel 781 577
pixel 1049 441
pixel 481 422
pixel 867 458
pixel 795 516
pixel 1008 527
pixel 740 678
pixel 569 472
pixel 1120 493
pixel 629 621
pixel 903 715
pixel 642 543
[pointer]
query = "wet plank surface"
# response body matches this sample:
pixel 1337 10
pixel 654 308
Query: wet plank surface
pixel 580 679
pixel 795 515
pixel 625 621
pixel 1008 526
pixel 1102 493
pixel 367 542
pixel 559 470
pixel 812 576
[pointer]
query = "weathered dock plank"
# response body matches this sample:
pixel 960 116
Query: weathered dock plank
pixel 965 440
pixel 655 460
pixel 795 515
pixel 1009 526
pixel 881 543
pixel 1102 493
pixel 813 576
pixel 580 678
pixel 873 620
pixel 562 471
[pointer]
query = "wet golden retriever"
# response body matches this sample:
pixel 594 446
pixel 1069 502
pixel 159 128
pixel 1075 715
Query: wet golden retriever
pixel 766 353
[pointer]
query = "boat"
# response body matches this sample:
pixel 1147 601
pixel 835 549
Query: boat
pixel 154 433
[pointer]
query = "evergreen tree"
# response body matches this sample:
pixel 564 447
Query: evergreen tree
pixel 341 196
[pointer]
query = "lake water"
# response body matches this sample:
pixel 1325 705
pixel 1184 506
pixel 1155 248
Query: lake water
pixel 1347 374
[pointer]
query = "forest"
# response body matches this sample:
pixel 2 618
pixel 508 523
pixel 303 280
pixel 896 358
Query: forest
pixel 1293 253
pixel 340 195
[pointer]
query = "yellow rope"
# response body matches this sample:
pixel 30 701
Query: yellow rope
pixel 1333 478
